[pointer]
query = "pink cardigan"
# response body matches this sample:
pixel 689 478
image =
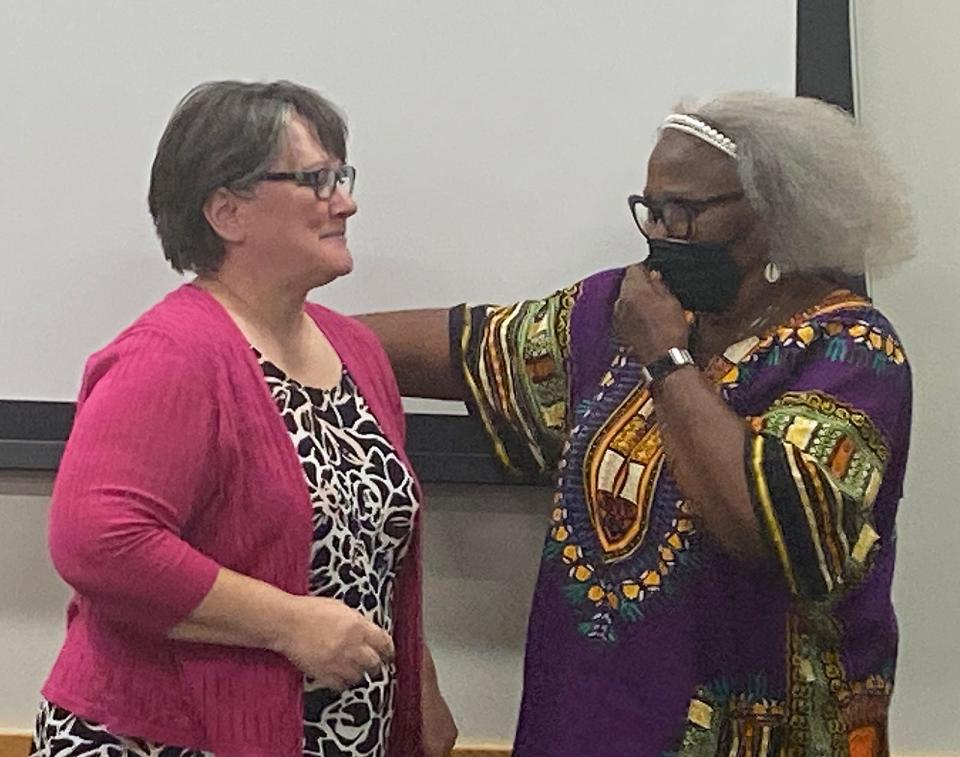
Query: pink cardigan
pixel 141 522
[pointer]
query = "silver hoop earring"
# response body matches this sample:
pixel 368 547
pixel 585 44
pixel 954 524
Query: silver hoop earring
pixel 772 272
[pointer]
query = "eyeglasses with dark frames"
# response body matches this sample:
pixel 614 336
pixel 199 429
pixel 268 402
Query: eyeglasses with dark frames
pixel 678 215
pixel 323 180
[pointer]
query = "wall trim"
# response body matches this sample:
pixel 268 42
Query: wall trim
pixel 482 750
pixel 442 448
pixel 15 743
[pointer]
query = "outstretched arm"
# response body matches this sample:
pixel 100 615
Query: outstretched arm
pixel 418 344
pixel 508 363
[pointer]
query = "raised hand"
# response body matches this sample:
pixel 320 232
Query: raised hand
pixel 647 318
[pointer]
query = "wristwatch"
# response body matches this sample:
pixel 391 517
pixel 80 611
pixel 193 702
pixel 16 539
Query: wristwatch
pixel 663 366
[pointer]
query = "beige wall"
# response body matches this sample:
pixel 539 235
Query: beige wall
pixel 32 598
pixel 909 95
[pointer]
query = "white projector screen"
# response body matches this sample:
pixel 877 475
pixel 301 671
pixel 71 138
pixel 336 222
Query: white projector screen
pixel 495 142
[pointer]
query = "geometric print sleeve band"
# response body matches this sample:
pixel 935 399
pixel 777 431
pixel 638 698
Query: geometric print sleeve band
pixel 514 360
pixel 814 467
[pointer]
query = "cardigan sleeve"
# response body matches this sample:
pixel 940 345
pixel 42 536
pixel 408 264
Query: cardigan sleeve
pixel 139 462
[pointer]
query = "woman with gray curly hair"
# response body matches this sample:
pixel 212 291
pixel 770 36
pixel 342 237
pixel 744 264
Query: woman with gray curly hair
pixel 729 425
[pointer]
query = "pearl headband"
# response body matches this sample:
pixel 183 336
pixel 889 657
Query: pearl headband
pixel 702 131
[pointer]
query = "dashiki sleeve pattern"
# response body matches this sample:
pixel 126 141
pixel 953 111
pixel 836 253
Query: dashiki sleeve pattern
pixel 819 451
pixel 815 465
pixel 514 360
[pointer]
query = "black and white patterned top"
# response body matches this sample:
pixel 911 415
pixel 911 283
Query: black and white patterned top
pixel 364 504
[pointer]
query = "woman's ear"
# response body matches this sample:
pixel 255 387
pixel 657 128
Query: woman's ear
pixel 224 212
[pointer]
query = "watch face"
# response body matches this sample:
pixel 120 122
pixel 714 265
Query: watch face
pixel 664 365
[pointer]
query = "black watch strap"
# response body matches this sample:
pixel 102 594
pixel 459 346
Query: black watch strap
pixel 663 366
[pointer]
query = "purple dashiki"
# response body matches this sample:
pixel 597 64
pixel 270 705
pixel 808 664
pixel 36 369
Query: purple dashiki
pixel 645 638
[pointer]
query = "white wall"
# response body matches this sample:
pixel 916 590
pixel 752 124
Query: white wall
pixel 496 141
pixel 910 97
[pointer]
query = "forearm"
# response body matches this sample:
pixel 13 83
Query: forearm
pixel 439 727
pixel 322 637
pixel 418 344
pixel 704 442
pixel 428 672
pixel 238 611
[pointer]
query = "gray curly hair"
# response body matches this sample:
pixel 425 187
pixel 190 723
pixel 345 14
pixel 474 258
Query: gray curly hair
pixel 828 196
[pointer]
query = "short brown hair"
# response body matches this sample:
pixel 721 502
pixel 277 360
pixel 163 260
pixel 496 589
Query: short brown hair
pixel 225 134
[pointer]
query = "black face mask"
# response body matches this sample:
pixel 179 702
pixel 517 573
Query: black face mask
pixel 703 277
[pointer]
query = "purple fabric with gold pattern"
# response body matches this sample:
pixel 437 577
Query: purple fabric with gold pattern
pixel 645 637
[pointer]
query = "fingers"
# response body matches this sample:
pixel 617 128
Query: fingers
pixel 657 282
pixel 327 679
pixel 351 670
pixel 652 278
pixel 373 635
pixel 636 275
pixel 338 646
pixel 639 282
pixel 335 682
pixel 381 642
pixel 637 288
pixel 364 660
pixel 641 285
pixel 367 661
